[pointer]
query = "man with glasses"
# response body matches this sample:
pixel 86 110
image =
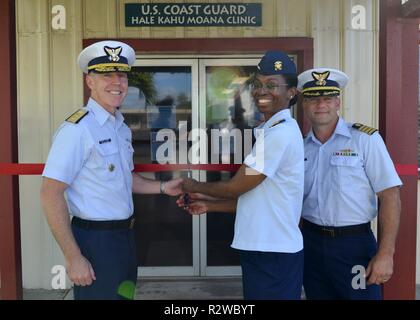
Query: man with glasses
pixel 267 190
pixel 347 168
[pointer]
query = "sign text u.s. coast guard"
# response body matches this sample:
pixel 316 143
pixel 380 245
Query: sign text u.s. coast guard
pixel 192 14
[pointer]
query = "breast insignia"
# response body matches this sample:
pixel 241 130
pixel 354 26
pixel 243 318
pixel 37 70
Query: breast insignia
pixel 77 116
pixel 363 128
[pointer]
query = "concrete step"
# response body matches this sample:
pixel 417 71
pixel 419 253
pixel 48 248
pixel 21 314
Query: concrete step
pixel 189 289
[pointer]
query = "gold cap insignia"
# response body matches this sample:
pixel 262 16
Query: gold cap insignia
pixel 321 77
pixel 113 53
pixel 278 65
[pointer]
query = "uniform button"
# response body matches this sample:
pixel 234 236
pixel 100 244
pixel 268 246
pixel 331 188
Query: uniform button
pixel 111 167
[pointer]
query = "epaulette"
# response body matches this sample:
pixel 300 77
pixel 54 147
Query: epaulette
pixel 363 128
pixel 277 122
pixel 77 116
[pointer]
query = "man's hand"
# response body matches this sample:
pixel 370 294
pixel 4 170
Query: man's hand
pixel 380 269
pixel 173 187
pixel 80 271
pixel 381 266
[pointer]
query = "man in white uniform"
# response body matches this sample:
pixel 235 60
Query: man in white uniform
pixel 91 160
pixel 347 168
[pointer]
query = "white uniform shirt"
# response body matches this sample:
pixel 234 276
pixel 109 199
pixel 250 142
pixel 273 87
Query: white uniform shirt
pixel 267 216
pixel 95 158
pixel 343 175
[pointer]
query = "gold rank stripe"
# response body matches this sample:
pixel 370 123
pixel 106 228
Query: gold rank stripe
pixel 320 88
pixel 77 116
pixel 365 129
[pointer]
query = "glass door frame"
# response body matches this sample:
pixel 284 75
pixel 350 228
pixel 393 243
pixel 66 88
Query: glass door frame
pixel 193 270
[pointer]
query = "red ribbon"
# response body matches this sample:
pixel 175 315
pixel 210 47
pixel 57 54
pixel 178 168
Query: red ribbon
pixel 37 168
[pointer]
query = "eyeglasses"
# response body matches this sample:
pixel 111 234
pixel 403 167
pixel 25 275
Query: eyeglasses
pixel 269 86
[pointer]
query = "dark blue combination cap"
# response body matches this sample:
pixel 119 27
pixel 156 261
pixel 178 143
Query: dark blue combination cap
pixel 276 62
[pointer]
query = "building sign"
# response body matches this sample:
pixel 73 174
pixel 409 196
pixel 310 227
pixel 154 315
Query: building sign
pixel 192 14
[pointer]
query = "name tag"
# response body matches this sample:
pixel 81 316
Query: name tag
pixel 105 141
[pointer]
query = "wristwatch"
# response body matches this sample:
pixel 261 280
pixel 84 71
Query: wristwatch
pixel 162 187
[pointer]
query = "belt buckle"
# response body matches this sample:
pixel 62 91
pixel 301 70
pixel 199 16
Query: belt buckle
pixel 132 223
pixel 329 232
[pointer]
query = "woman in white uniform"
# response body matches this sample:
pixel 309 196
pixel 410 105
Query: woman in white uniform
pixel 267 190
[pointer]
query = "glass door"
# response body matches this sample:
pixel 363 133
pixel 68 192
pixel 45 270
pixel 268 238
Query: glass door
pixel 228 114
pixel 163 94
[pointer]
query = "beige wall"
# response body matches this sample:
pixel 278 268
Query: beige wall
pixel 50 84
pixel 49 88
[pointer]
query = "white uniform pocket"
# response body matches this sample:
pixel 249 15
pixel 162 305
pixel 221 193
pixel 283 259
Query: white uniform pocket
pixel 344 161
pixel 346 170
pixel 104 162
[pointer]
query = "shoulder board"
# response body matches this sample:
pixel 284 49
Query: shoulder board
pixel 77 116
pixel 277 122
pixel 363 128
